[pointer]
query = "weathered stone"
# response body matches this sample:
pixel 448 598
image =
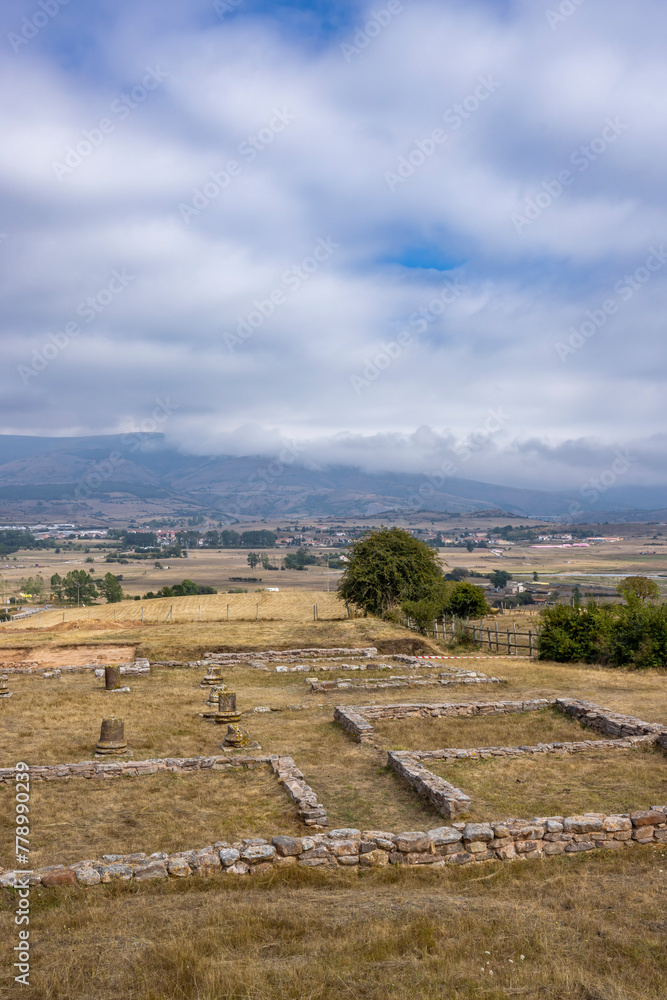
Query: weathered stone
pixel 87 876
pixel 374 859
pixel 119 871
pixel 610 845
pixel 419 858
pixel 613 824
pixel 312 862
pixel 582 824
pixel 206 863
pixel 478 832
pixel 348 860
pixel 112 738
pixel 643 834
pixel 582 845
pixel 343 848
pixel 64 876
pixel 178 867
pixel 287 846
pixel 552 848
pixel 149 871
pixel 284 862
pixel 476 846
pixel 261 869
pixel 527 846
pixel 444 835
pixel 240 868
pixel 112 676
pixel 255 854
pixel 412 841
pixel 645 817
pixel 460 858
pixel 344 833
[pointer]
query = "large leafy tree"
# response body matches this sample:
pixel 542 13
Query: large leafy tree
pixel 79 586
pixel 640 587
pixel 389 567
pixel 111 588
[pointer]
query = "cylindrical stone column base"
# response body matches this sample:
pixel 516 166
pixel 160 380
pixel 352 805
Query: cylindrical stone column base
pixel 112 738
pixel 111 676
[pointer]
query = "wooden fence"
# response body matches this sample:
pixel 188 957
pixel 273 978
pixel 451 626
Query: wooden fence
pixel 511 642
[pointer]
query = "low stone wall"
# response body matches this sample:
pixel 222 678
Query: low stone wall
pixel 457 844
pixel 135 668
pixel 310 811
pixel 605 721
pixel 407 681
pixel 451 801
pixel 354 718
pixel 271 655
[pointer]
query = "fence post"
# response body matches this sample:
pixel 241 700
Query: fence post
pixel 257 612
pixel 199 612
pixel 509 651
pixel 227 611
pixel 497 643
pixel 347 608
pixel 142 612
pixel 530 642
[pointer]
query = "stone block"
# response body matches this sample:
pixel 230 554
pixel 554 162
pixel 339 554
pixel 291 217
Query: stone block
pixel 256 854
pixel 443 835
pixel 476 846
pixel 582 824
pixel 579 846
pixel 64 876
pixel 343 834
pixel 262 868
pixel 610 845
pixel 419 858
pixel 475 832
pixel 348 860
pixel 152 870
pixel 623 835
pixel 614 824
pixel 287 847
pixel 507 853
pixel 527 846
pixel 206 863
pixel 412 841
pixel 344 848
pixel 646 817
pixel 312 862
pixel 460 858
pixel 178 867
pixel 552 848
pixel 119 871
pixel 228 856
pixel 374 859
pixel 643 834
pixel 240 868
pixel 87 876
pixel 286 862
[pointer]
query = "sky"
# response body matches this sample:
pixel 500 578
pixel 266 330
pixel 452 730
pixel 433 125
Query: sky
pixel 410 236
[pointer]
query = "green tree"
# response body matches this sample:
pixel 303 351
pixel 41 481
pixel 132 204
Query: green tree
pixel 499 578
pixel 253 559
pixel 466 601
pixel 470 545
pixel 261 539
pixel 535 576
pixel 299 559
pixel 79 586
pixel 576 597
pixel 57 586
pixel 388 567
pixel 111 588
pixel 639 586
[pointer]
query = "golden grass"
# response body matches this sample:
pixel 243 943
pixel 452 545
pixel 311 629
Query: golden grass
pixel 588 927
pixel 78 819
pixel 523 728
pixel 190 640
pixel 613 781
pixel 286 606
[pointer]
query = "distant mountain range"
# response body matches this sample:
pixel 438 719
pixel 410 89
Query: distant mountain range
pixel 114 477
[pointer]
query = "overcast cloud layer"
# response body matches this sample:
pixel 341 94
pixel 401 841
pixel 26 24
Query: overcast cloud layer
pixel 435 229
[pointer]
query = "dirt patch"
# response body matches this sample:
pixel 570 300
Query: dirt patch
pixel 408 645
pixel 95 625
pixel 68 655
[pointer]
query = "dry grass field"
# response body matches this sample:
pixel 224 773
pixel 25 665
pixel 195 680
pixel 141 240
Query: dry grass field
pixel 589 927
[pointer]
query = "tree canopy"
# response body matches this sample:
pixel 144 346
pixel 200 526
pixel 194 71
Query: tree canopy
pixel 389 567
pixel 640 587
